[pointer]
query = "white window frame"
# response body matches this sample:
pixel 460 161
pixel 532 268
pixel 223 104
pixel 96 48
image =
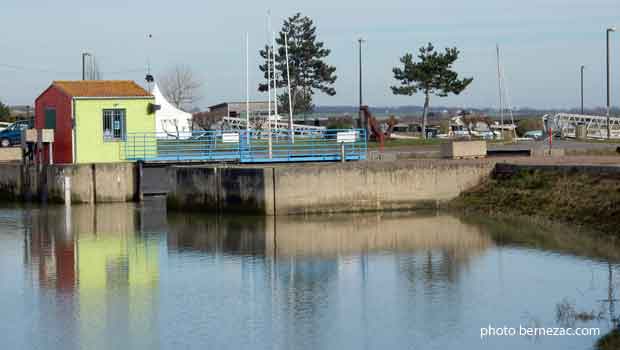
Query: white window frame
pixel 110 116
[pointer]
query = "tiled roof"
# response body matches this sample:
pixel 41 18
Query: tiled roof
pixel 101 88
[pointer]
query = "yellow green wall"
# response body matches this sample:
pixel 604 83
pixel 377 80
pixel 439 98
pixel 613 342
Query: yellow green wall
pixel 89 144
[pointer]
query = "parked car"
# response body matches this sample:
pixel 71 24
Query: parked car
pixel 13 133
pixel 534 134
pixel 4 125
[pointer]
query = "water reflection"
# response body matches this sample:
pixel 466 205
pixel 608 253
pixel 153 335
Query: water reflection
pixel 84 253
pixel 121 276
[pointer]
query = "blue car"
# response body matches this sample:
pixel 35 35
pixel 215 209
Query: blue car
pixel 13 133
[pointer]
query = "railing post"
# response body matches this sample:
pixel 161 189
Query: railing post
pixel 342 153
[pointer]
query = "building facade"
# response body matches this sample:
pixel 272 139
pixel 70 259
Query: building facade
pixel 91 119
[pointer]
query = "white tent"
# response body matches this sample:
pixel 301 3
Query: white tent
pixel 171 122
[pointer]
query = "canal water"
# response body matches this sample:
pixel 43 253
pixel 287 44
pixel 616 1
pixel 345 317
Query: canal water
pixel 135 277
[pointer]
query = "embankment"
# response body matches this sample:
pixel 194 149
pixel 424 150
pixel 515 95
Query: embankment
pixel 588 196
pixel 277 189
pixel 88 183
pixel 322 188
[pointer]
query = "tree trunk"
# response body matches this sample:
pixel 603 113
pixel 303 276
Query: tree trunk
pixel 427 102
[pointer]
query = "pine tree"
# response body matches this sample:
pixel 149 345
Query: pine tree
pixel 308 70
pixel 5 112
pixel 432 75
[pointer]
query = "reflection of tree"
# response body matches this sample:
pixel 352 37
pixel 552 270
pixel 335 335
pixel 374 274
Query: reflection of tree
pixel 611 301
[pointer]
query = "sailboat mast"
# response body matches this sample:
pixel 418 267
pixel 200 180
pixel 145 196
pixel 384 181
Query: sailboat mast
pixel 288 82
pixel 268 66
pixel 499 89
pixel 275 77
pixel 247 82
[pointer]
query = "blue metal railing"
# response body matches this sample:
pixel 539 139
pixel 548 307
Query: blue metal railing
pixel 247 146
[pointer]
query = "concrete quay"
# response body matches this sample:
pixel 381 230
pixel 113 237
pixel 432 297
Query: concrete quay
pixel 322 188
pixel 277 189
pixel 274 189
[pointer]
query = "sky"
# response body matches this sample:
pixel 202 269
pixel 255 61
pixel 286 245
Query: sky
pixel 543 43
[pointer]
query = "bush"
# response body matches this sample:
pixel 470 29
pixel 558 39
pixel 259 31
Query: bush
pixel 345 122
pixel 529 124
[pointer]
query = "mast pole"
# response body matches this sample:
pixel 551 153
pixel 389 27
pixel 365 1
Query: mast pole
pixel 499 88
pixel 288 81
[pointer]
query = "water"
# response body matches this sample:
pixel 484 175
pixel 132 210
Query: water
pixel 127 277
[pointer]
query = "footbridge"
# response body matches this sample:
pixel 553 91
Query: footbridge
pixel 278 127
pixel 596 126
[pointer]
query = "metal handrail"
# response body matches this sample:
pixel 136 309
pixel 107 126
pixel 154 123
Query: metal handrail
pixel 247 146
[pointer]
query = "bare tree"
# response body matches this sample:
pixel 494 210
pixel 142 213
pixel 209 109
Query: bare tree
pixel 180 86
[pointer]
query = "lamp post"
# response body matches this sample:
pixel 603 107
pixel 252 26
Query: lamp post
pixel 362 123
pixel 609 31
pixel 84 55
pixel 582 68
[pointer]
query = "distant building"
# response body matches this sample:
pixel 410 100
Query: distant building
pixel 236 109
pixel 92 118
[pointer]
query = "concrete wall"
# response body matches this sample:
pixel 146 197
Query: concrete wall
pixel 82 187
pixel 10 181
pixel 116 182
pixel 374 186
pixel 10 154
pixel 323 188
pixel 248 190
pixel 267 190
pixel 90 183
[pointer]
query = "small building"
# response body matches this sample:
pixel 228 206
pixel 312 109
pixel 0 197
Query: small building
pixel 91 118
pixel 236 109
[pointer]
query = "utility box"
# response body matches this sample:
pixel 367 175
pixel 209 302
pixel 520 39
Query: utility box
pixel 31 135
pixel 508 135
pixel 464 149
pixel 582 132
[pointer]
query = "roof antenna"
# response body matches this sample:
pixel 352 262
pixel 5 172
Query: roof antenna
pixel 149 77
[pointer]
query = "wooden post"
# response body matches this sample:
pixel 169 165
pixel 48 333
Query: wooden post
pixel 39 156
pixel 51 152
pixel 67 191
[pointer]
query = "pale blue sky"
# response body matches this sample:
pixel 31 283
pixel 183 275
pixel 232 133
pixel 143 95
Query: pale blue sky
pixel 543 44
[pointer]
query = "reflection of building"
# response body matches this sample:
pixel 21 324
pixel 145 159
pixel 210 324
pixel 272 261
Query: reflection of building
pixel 94 254
pixel 99 247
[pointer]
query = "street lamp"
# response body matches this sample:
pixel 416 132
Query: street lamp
pixel 582 68
pixel 362 123
pixel 609 31
pixel 84 55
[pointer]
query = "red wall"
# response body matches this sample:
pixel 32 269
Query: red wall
pixel 54 97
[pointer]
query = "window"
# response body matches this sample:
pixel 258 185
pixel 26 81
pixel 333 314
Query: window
pixel 50 118
pixel 113 124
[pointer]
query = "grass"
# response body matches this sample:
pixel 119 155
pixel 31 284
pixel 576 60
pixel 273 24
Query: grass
pixel 610 341
pixel 541 233
pixel 403 143
pixel 592 152
pixel 578 199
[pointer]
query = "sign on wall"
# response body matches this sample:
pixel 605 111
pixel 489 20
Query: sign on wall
pixel 230 137
pixel 346 136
